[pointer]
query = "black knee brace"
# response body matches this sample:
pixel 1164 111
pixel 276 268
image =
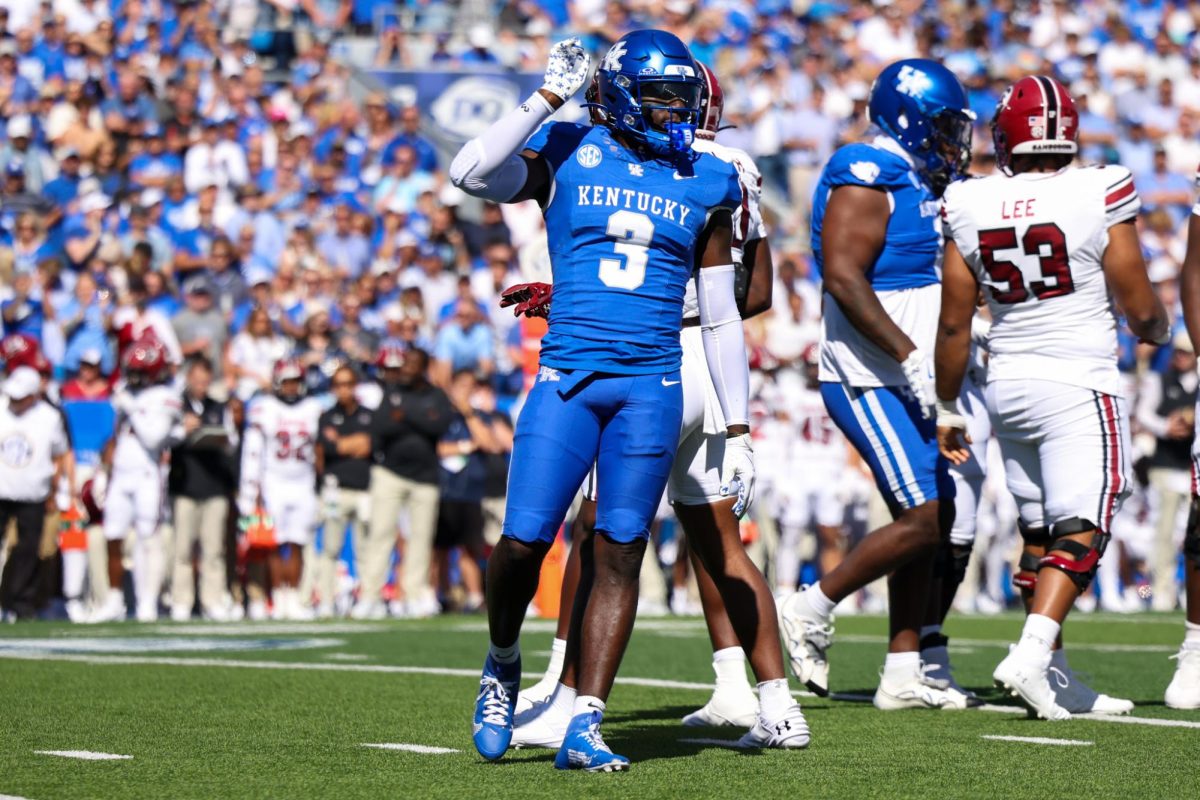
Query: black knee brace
pixel 1027 568
pixel 1078 561
pixel 1191 534
pixel 951 561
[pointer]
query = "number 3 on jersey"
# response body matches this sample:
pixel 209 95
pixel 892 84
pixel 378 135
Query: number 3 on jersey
pixel 1044 242
pixel 632 232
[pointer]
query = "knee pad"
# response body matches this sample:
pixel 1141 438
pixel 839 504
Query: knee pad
pixel 1027 568
pixel 1077 560
pixel 1191 535
pixel 1035 535
pixel 951 561
pixel 1026 574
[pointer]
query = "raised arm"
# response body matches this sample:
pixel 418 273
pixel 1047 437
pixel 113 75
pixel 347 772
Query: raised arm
pixel 491 165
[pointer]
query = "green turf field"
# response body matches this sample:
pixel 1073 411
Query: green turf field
pixel 292 719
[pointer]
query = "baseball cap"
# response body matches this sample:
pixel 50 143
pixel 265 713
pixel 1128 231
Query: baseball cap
pixel 451 196
pixel 257 275
pixel 393 313
pixel 19 127
pixel 91 356
pixel 65 152
pixel 96 201
pixel 382 266
pixel 23 383
pixel 197 285
pixel 14 168
pixel 150 198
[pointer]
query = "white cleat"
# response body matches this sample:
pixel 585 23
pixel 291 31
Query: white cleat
pixel 1076 696
pixel 540 726
pixel 935 669
pixel 1184 691
pixel 788 733
pixel 257 611
pixel 112 610
pixel 732 705
pixel 181 613
pixel 537 694
pixel 77 612
pixel 1027 680
pixel 915 691
pixel 807 641
pixel 147 612
pixel 367 609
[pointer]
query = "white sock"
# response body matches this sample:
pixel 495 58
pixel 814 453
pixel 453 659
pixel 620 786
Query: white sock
pixel 1038 635
pixel 562 702
pixel 558 654
pixel 900 666
pixel 1191 636
pixel 774 699
pixel 927 630
pixel 821 605
pixel 586 704
pixel 147 570
pixel 730 666
pixel 505 655
pixel 74 573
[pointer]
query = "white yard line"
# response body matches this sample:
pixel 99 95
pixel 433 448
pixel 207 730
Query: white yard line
pixel 1037 740
pixel 12 797
pixel 413 748
pixel 389 669
pixel 84 755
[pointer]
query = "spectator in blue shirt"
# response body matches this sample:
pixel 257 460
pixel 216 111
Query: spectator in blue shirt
pixel 1136 151
pixel 130 109
pixel 1161 188
pixel 65 188
pixel 464 342
pixel 343 248
pixel 23 312
pixel 154 167
pixel 51 50
pixel 84 316
pixel 410 136
pixel 16 88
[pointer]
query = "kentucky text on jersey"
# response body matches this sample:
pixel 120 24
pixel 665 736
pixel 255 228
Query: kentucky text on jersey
pixel 622 234
pixel 615 197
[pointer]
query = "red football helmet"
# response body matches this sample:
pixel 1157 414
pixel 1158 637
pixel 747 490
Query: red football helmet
pixel 19 350
pixel 390 357
pixel 287 369
pixel 1035 116
pixel 144 362
pixel 712 102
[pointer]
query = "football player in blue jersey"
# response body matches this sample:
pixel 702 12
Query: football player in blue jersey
pixel 631 212
pixel 877 242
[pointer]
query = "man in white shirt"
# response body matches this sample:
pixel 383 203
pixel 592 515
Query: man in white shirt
pixel 33 446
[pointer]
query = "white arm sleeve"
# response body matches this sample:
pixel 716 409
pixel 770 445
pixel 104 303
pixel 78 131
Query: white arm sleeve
pixel 488 166
pixel 724 342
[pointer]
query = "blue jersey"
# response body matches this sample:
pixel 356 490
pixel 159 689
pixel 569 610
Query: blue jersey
pixel 911 251
pixel 622 237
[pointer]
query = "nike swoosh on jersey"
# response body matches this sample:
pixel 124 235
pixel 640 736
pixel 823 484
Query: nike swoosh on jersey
pixel 666 382
pixel 679 177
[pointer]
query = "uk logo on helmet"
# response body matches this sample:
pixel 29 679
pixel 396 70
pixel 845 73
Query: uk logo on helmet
pixel 589 156
pixel 912 82
pixel 612 59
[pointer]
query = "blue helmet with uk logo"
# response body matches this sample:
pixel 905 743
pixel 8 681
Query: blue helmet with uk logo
pixel 648 89
pixel 922 106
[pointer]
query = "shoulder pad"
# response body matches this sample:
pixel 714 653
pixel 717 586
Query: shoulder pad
pixel 865 165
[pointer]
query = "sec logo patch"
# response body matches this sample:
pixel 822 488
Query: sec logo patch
pixel 588 156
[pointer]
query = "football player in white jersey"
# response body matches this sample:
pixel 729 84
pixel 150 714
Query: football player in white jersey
pixel 1184 689
pixel 280 467
pixel 811 493
pixel 1052 247
pixel 148 423
pixel 709 517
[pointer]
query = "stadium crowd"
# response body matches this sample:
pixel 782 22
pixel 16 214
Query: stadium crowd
pixel 203 171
